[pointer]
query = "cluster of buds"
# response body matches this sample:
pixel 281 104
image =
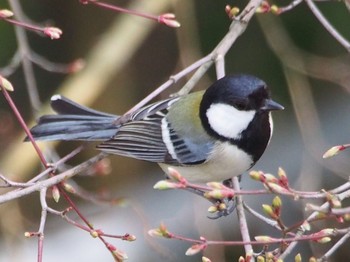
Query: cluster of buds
pixel 278 185
pixel 218 191
pixel 231 12
pixel 333 200
pixel 177 181
pixel 324 236
pixel 265 7
pixel 248 257
pixel 217 207
pixel 274 210
pixel 52 32
pixel 271 257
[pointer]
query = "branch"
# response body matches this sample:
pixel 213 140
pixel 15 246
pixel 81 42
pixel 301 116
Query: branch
pixel 345 43
pixel 24 50
pixel 51 181
pixel 339 243
pixel 242 218
pixel 237 27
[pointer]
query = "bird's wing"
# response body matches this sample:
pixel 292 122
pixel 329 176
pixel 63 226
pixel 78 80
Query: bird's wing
pixel 142 138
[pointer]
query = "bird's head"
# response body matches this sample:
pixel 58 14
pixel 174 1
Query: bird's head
pixel 231 103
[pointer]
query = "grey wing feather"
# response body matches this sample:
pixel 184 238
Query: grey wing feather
pixel 187 150
pixel 142 138
pixel 157 110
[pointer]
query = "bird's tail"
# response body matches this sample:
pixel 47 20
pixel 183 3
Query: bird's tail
pixel 74 122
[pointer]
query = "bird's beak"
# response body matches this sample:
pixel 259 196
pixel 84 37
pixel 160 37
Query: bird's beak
pixel 271 105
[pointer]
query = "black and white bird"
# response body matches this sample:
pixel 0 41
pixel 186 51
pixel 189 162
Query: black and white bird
pixel 206 136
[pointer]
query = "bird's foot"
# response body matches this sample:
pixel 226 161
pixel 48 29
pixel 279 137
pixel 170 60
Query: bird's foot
pixel 220 207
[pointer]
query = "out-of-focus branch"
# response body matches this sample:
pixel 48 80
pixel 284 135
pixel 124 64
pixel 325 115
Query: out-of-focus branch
pixel 12 66
pixel 50 181
pixel 24 51
pixel 237 27
pixel 335 247
pixel 299 88
pixel 243 225
pixel 103 62
pixel 329 27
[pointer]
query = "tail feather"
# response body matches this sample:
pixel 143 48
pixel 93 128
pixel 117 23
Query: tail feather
pixel 64 106
pixel 74 122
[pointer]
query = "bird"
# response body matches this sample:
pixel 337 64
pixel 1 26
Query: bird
pixel 209 135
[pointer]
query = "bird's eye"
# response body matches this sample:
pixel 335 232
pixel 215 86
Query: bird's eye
pixel 240 105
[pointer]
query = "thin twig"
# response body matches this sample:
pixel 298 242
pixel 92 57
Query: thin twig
pixel 24 50
pixel 172 80
pixel 292 245
pixel 42 223
pixel 89 196
pixel 329 27
pixel 195 78
pixel 335 247
pixel 12 66
pixel 268 221
pixel 52 180
pixel 9 183
pixel 290 6
pixel 242 218
pixel 220 66
pixel 49 66
pixel 24 126
pixel 237 27
pixel 55 165
pixel 217 55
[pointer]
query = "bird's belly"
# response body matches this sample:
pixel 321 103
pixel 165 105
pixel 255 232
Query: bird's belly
pixel 225 162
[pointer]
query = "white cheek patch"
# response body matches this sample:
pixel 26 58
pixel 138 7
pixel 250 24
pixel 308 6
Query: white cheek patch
pixel 228 121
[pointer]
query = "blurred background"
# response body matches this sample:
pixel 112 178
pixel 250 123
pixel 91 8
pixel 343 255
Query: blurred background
pixel 126 58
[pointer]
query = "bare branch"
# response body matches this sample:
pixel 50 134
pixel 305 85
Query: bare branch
pixel 329 27
pixel 243 225
pixel 51 181
pixel 335 247
pixel 24 51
